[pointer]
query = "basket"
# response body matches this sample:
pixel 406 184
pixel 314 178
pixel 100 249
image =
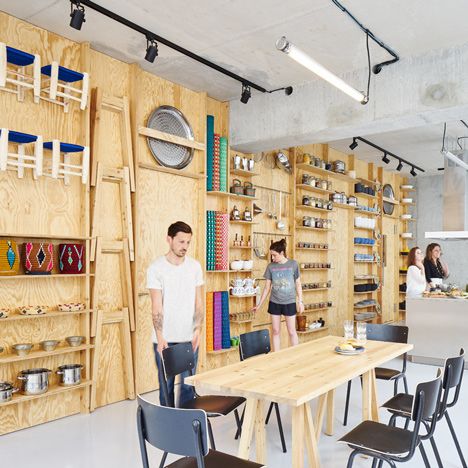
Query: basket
pixel 71 258
pixel 236 187
pixel 38 258
pixel 9 257
pixel 249 189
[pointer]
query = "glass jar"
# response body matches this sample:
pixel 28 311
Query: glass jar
pixel 324 184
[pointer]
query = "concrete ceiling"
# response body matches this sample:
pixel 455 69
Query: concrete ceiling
pixel 240 35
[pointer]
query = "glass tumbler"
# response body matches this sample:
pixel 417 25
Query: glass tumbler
pixel 361 332
pixel 348 329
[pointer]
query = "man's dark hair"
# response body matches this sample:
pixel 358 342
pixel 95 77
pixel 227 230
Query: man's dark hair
pixel 178 226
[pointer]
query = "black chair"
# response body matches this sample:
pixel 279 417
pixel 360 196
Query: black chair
pixel 395 334
pixel 182 432
pixel 401 404
pixel 393 444
pixel 253 344
pixel 180 358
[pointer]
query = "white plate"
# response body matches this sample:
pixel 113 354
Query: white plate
pixel 355 351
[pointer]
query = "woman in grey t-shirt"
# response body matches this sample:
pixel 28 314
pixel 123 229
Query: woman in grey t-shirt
pixel 284 283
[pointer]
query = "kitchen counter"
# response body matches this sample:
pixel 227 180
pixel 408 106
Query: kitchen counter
pixel 438 328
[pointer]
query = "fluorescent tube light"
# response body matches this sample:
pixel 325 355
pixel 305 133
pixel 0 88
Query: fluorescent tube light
pixel 305 60
pixel 455 159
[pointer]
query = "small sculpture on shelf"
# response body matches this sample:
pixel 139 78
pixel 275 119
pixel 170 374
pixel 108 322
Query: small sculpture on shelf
pixel 235 214
pixel 247 215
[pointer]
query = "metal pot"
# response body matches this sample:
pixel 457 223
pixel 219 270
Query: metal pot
pixel 34 381
pixel 6 391
pixel 339 166
pixel 70 374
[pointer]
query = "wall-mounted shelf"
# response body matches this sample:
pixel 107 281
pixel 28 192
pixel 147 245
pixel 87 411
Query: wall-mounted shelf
pixel 242 197
pixel 313 208
pixel 369 246
pixel 309 188
pixel 390 200
pixel 324 172
pixel 365 212
pixel 53 275
pixel 368 181
pixel 240 221
pixel 365 228
pixel 364 195
pixel 46 315
pixel 315 289
pixel 222 351
pixel 360 293
pixel 47 236
pixel 231 296
pixel 322 309
pixel 9 358
pixel 315 269
pixel 314 249
pixel 243 173
pixel 240 247
pixel 217 271
pixel 344 206
pixel 315 330
pixel 306 228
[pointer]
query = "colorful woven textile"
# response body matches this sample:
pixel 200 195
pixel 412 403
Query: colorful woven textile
pixel 210 240
pixel 226 330
pixel 209 321
pixel 217 321
pixel 223 161
pixel 9 257
pixel 71 258
pixel 209 151
pixel 38 258
pixel 216 178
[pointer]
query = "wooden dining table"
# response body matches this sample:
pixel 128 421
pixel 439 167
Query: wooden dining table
pixel 295 376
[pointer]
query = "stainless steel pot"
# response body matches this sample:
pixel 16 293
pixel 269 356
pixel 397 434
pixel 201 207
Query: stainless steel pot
pixel 6 391
pixel 70 374
pixel 34 381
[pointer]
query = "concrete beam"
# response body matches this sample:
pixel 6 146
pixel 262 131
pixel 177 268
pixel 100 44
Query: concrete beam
pixel 420 90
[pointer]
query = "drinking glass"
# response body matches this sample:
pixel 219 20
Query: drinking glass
pixel 361 332
pixel 348 329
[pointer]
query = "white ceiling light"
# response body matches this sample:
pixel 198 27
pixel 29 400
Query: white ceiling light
pixel 305 60
pixel 455 159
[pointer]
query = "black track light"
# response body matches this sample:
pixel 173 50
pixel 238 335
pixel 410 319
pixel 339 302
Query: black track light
pixel 288 90
pixel 385 158
pixel 151 50
pixel 246 93
pixel 77 16
pixel 413 172
pixel 400 166
pixel 353 144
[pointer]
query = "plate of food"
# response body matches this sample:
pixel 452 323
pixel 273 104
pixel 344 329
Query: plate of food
pixel 349 348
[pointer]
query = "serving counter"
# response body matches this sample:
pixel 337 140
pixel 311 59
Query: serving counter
pixel 438 328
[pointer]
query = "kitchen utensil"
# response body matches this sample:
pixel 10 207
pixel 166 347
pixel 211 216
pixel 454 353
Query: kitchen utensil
pixel 388 192
pixel 245 164
pixel 247 216
pixel 407 235
pixel 34 381
pixel 237 265
pixel 251 165
pixel 49 345
pixel 69 374
pixel 407 200
pixel 248 265
pixel 406 216
pixel 22 349
pixel 249 189
pixel 257 210
pixel 74 340
pixel 348 329
pixel 168 119
pixel 259 252
pixel 339 166
pixel 237 161
pixel 6 391
pixel 236 187
pixel 407 187
pixel 282 161
pixel 353 352
pixel 280 224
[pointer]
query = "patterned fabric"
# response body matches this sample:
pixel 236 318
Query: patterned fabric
pixel 38 258
pixel 226 328
pixel 71 258
pixel 209 151
pixel 9 257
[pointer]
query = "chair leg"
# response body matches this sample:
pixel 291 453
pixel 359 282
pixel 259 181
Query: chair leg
pixel 351 459
pixel 374 462
pixel 405 383
pixel 395 387
pixel 238 423
pixel 239 428
pixel 424 456
pixel 210 434
pixel 454 436
pixel 380 463
pixel 280 427
pixel 163 460
pixel 269 413
pixel 346 409
pixel 392 420
pixel 436 453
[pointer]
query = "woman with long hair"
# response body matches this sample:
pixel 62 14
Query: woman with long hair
pixel 433 264
pixel 284 283
pixel 415 277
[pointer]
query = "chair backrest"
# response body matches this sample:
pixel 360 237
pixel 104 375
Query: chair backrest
pixel 385 332
pixel 178 431
pixel 427 399
pixel 254 343
pixel 453 376
pixel 178 358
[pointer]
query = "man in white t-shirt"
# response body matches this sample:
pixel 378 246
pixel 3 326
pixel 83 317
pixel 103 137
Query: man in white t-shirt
pixel 175 283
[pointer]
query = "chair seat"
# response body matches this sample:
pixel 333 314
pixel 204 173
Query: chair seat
pixel 401 403
pixel 383 373
pixel 379 438
pixel 215 459
pixel 215 404
pixel 64 74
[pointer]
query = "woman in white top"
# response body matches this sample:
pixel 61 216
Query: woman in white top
pixel 415 277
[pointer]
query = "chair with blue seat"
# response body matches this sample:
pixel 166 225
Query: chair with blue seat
pixel 13 152
pixel 19 70
pixel 64 85
pixel 61 166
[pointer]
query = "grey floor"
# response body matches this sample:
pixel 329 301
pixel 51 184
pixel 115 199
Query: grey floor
pixel 108 438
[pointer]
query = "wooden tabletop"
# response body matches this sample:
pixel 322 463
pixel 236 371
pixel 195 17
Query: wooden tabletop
pixel 298 374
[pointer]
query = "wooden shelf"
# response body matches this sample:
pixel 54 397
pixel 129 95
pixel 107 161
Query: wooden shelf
pixel 344 206
pixel 222 351
pixel 322 309
pixel 368 213
pixel 365 229
pixel 365 195
pixel 240 321
pixel 364 292
pixel 240 271
pixel 407 189
pixel 217 271
pixel 315 289
pixel 365 245
pixel 408 204
pixel 9 358
pixel 315 330
pixel 367 278
pixel 46 315
pixel 243 173
pixel 240 247
pixel 309 188
pixel 242 197
pixel 364 307
pixel 408 220
pixel 390 200
pixel 242 297
pixel 313 208
pixel 368 181
pixel 316 269
pixel 53 390
pixel 234 221
pixel 170 170
pixel 315 249
pixel 306 228
pixel 47 236
pixel 324 172
pixel 53 275
pixel 217 193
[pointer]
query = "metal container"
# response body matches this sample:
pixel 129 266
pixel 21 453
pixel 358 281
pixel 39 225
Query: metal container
pixel 69 374
pixel 34 381
pixel 339 166
pixel 6 391
pixel 49 345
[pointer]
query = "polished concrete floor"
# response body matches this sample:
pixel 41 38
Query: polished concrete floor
pixel 108 437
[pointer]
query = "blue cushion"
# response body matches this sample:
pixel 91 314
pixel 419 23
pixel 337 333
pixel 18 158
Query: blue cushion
pixel 18 137
pixel 18 57
pixel 64 74
pixel 65 147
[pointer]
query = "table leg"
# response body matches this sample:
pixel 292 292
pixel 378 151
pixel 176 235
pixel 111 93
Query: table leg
pixel 247 428
pixel 260 433
pixel 310 438
pixel 298 423
pixel 366 395
pixel 320 414
pixel 330 412
pixel 374 398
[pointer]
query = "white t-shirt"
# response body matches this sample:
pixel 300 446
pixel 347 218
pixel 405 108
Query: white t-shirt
pixel 178 284
pixel 415 282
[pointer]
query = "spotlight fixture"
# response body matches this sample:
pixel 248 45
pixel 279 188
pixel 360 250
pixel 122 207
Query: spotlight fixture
pixel 151 50
pixel 385 158
pixel 353 145
pixel 77 15
pixel 246 94
pixel 400 165
pixel 413 172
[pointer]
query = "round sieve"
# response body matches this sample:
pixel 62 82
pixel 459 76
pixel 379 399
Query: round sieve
pixel 168 119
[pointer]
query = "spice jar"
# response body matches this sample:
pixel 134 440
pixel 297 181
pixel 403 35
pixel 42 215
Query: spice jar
pixel 324 184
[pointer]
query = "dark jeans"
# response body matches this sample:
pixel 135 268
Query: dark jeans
pixel 187 392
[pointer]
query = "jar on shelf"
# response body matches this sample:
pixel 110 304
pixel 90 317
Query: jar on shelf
pixel 317 162
pixel 305 200
pixel 324 184
pixel 329 185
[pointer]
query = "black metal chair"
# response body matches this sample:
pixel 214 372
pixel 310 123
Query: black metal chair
pixel 253 344
pixel 180 358
pixel 401 404
pixel 384 332
pixel 181 432
pixel 393 444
